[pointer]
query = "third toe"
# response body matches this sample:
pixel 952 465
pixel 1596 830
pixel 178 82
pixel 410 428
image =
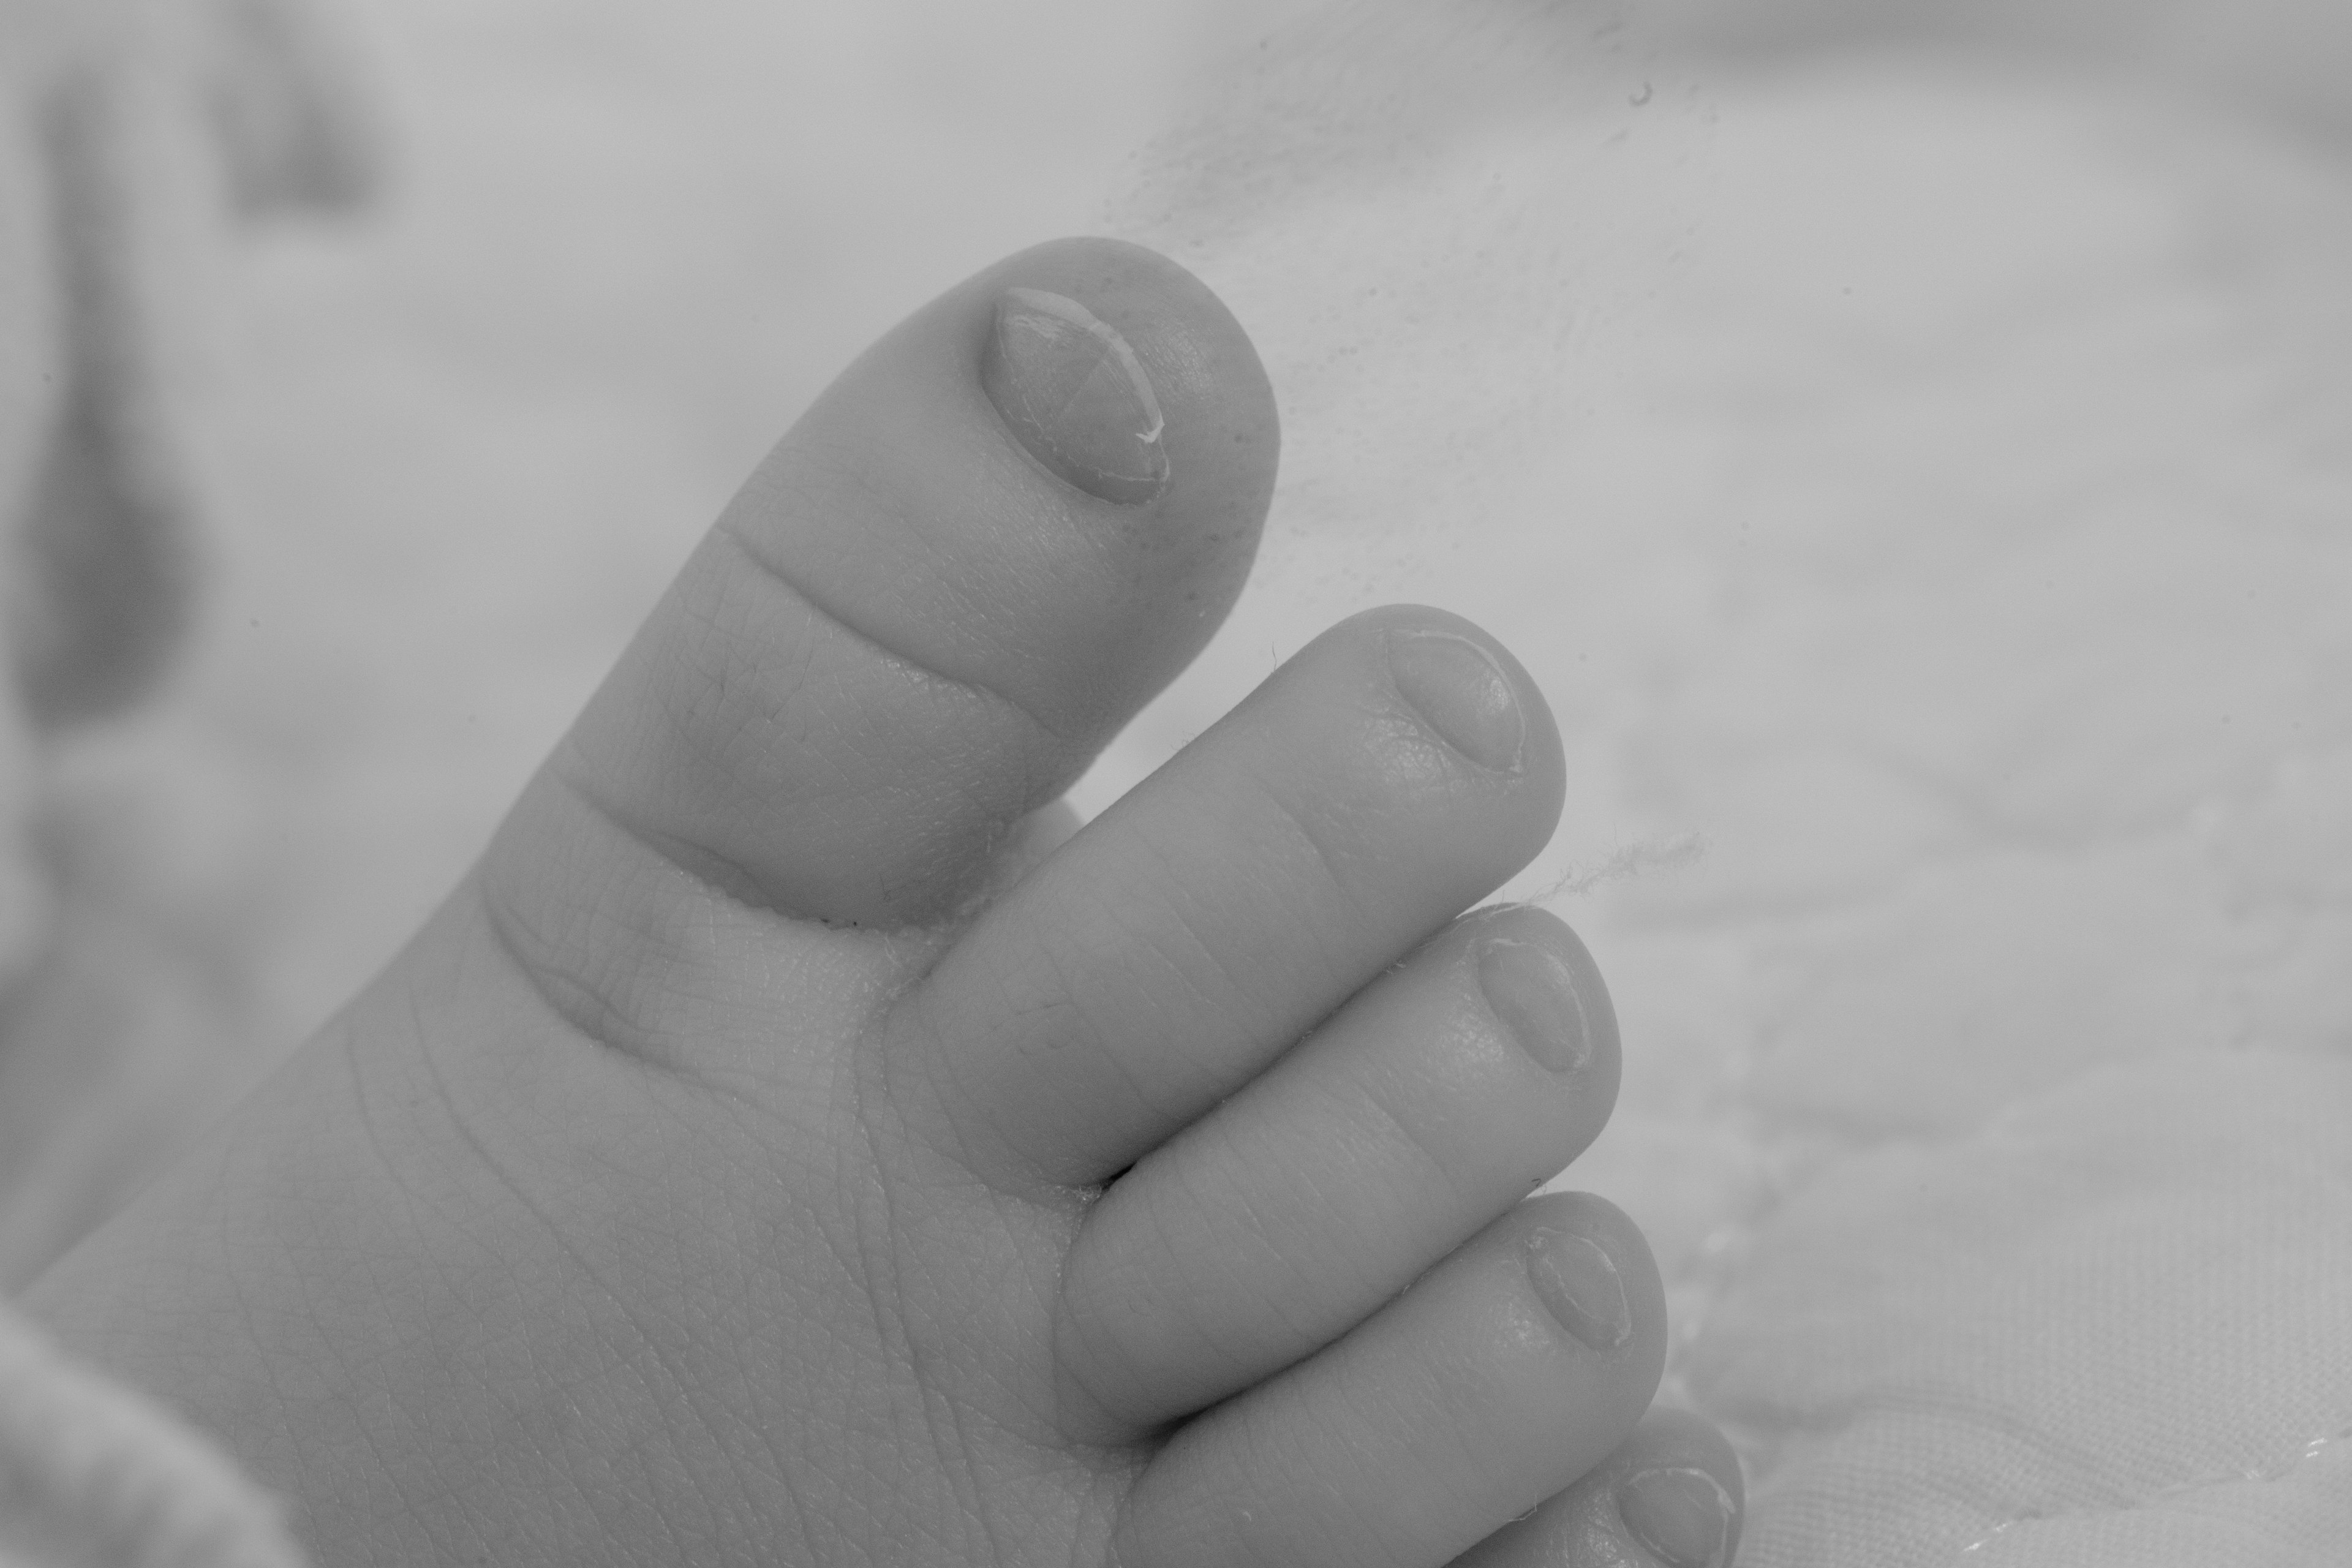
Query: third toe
pixel 1431 1102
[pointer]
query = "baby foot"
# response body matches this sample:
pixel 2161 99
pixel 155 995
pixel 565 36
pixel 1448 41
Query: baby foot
pixel 736 1169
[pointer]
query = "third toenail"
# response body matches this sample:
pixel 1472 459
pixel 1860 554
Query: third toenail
pixel 1683 1516
pixel 1074 392
pixel 1534 995
pixel 1579 1282
pixel 1461 693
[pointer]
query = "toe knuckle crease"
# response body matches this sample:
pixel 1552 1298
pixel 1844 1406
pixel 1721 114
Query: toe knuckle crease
pixel 780 577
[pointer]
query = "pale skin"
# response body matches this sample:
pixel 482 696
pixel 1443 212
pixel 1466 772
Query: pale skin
pixel 793 1144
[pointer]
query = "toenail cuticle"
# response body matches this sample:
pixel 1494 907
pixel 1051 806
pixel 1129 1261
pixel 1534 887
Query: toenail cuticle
pixel 1682 1516
pixel 1533 995
pixel 1579 1282
pixel 1461 693
pixel 1073 392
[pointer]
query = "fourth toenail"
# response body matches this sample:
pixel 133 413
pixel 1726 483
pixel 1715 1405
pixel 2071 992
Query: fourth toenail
pixel 1683 1516
pixel 1534 995
pixel 1073 392
pixel 1460 692
pixel 1579 1282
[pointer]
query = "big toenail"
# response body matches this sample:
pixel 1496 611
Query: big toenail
pixel 1459 692
pixel 1076 395
pixel 1534 995
pixel 1579 1282
pixel 1682 1516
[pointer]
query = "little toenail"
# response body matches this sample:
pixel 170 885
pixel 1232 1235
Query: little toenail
pixel 1579 1282
pixel 1458 690
pixel 1076 395
pixel 1682 1516
pixel 1534 995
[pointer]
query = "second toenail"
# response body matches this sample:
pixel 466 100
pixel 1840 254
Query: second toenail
pixel 1682 1516
pixel 1460 692
pixel 1579 1282
pixel 1073 392
pixel 1533 995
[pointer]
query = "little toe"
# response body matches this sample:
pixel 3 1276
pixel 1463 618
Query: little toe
pixel 1431 1103
pixel 1394 771
pixel 1501 1377
pixel 995 536
pixel 1670 1497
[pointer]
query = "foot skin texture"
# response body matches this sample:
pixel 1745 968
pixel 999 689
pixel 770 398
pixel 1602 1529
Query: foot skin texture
pixel 793 1144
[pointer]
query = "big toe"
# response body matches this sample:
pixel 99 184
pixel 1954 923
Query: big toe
pixel 997 534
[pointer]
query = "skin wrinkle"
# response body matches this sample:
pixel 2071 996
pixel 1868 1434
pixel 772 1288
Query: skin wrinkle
pixel 1300 815
pixel 1359 1400
pixel 1213 1213
pixel 788 499
pixel 1231 1162
pixel 1156 1200
pixel 587 1009
pixel 1367 1092
pixel 1262 1033
pixel 1072 999
pixel 1311 1334
pixel 1072 1371
pixel 1070 996
pixel 877 1244
pixel 411 1501
pixel 680 722
pixel 612 1022
pixel 724 678
pixel 679 1387
pixel 939 1072
pixel 247 1317
pixel 714 685
pixel 954 1452
pixel 835 617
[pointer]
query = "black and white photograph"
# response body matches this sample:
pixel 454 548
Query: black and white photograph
pixel 1175 783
